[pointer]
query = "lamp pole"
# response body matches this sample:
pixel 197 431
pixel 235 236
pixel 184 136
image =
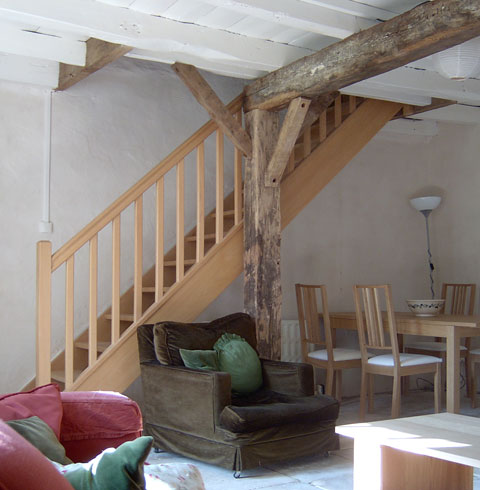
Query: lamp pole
pixel 425 205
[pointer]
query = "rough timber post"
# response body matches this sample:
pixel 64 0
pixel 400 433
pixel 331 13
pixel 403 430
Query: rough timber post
pixel 262 232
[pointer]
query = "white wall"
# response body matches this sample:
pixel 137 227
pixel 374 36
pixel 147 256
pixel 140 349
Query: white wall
pixel 362 229
pixel 110 129
pixel 107 132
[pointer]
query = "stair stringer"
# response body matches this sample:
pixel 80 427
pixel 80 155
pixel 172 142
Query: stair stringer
pixel 119 365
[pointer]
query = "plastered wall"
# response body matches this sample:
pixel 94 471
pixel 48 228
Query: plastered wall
pixel 110 129
pixel 362 229
pixel 107 132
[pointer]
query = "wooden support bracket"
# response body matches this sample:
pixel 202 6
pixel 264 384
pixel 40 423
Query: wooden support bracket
pixel 99 54
pixel 210 101
pixel 291 127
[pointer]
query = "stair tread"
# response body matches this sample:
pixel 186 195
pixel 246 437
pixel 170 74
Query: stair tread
pixel 60 375
pixel 193 238
pixel 101 346
pixel 174 262
pixel 151 289
pixel 124 317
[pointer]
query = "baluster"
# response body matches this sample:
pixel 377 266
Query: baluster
pixel 238 201
pixel 219 188
pixel 338 111
pixel 138 261
pixel 69 321
pixel 93 307
pixel 200 202
pixel 322 126
pixel 180 221
pixel 44 312
pixel 159 248
pixel 237 185
pixel 307 141
pixel 115 333
pixel 352 103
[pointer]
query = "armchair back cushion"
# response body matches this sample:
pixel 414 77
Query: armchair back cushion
pixel 170 337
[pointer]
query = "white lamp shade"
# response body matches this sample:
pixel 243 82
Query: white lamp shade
pixel 426 203
pixel 459 62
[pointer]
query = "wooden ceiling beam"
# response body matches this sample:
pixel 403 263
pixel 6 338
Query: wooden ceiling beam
pixel 292 124
pixel 210 101
pixel 99 53
pixel 426 29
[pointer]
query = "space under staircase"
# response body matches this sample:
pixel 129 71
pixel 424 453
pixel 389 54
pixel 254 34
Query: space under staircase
pixel 201 263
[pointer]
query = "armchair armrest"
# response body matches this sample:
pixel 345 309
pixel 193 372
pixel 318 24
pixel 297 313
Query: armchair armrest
pixel 289 378
pixel 95 420
pixel 184 399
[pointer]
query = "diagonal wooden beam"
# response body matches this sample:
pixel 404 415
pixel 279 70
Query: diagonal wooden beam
pixel 426 29
pixel 292 124
pixel 210 101
pixel 99 53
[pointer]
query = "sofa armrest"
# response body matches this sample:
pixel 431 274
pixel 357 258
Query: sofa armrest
pixel 184 399
pixel 289 378
pixel 95 420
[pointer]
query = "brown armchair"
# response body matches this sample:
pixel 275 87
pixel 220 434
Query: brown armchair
pixel 194 413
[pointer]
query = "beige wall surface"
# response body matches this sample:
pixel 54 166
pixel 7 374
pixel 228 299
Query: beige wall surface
pixel 107 132
pixel 362 229
pixel 113 127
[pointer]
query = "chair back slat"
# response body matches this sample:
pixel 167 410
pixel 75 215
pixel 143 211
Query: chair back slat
pixel 459 298
pixel 373 306
pixel 314 321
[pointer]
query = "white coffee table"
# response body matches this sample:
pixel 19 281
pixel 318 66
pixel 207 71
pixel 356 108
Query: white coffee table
pixel 436 452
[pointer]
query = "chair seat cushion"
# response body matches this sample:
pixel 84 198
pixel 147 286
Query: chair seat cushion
pixel 405 360
pixel 433 346
pixel 339 354
pixel 266 408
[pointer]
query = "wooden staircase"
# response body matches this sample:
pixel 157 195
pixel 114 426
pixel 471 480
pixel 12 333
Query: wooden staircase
pixel 201 264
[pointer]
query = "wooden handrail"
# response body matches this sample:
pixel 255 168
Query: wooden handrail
pixel 163 272
pixel 82 237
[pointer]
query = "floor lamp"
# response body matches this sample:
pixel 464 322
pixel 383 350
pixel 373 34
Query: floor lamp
pixel 426 205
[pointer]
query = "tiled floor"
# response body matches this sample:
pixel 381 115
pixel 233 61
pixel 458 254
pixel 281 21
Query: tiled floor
pixel 334 472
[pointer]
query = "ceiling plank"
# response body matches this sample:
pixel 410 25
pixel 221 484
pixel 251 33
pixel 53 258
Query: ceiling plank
pixel 209 100
pixel 292 124
pixel 23 42
pixel 299 15
pixel 355 8
pixel 426 29
pixel 22 69
pixel 99 54
pixel 148 32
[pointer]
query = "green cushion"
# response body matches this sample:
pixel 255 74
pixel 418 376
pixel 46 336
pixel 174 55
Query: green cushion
pixel 237 357
pixel 39 434
pixel 113 469
pixel 200 359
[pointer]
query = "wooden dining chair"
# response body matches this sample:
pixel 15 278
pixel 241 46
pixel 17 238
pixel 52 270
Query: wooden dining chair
pixel 377 333
pixel 459 300
pixel 315 331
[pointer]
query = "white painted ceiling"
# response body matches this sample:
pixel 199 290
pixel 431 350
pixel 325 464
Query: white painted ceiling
pixel 238 38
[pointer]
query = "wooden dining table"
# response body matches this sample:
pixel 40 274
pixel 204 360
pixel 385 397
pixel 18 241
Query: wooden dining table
pixel 450 327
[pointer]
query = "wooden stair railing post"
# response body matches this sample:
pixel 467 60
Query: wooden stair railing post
pixel 44 312
pixel 262 235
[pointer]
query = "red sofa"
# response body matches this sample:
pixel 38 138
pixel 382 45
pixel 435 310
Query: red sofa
pixel 86 423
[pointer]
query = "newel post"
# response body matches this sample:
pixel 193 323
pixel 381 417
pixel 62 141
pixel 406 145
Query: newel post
pixel 44 311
